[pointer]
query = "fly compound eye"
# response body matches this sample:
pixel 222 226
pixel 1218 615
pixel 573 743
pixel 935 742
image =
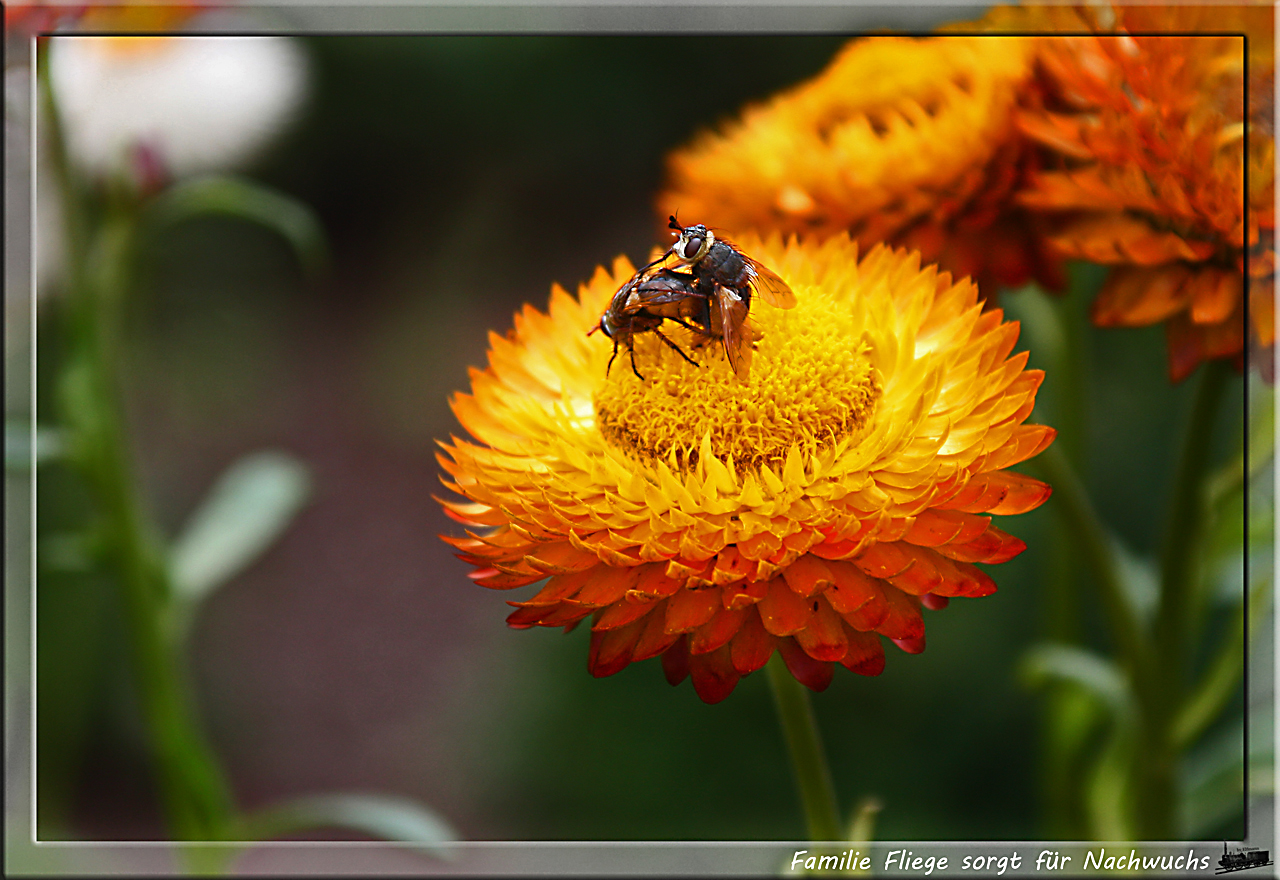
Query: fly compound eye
pixel 691 247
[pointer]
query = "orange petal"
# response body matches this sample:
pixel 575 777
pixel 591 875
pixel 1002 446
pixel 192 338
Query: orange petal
pixel 1262 310
pixel 934 527
pixel 622 613
pixel 714 677
pixel 690 609
pixel 993 546
pixel 824 638
pixel 882 560
pixel 609 585
pixel 472 514
pixel 523 618
pixel 560 559
pixel 566 613
pixel 653 582
pixel 717 631
pixel 782 611
pixel 1215 294
pixel 807 575
pixel 495 579
pixel 744 594
pixel 1138 296
pixel 934 573
pixel 730 566
pixel 852 588
pixel 999 492
pixel 563 586
pixel 752 646
pixel 813 674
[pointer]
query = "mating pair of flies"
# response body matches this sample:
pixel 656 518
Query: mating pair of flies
pixel 712 299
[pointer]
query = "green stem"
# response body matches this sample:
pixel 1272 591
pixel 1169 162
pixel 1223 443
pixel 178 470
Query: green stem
pixel 194 793
pixel 1057 330
pixel 196 799
pixel 813 777
pixel 1178 562
pixel 1073 505
pixel 1162 696
pixel 1207 700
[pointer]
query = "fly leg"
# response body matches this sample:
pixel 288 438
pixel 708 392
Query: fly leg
pixel 611 357
pixel 671 344
pixel 633 361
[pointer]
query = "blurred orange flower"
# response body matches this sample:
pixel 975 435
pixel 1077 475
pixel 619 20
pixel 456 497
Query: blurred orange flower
pixel 900 140
pixel 1154 145
pixel 811 509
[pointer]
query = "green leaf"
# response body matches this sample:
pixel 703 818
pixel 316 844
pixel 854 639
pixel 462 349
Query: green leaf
pixel 1094 674
pixel 1211 694
pixel 1214 774
pixel 26 447
pixel 386 817
pixel 242 516
pixel 238 197
pixel 1262 431
pixel 1139 579
pixel 1109 789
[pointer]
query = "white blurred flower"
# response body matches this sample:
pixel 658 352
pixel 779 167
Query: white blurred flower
pixel 190 103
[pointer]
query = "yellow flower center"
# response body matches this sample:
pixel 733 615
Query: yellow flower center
pixel 811 385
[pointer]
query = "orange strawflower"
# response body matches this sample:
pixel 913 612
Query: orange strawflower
pixel 848 482
pixel 1154 144
pixel 900 140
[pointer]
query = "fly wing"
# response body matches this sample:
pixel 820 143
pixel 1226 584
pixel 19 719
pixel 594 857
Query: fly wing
pixel 772 288
pixel 665 286
pixel 730 313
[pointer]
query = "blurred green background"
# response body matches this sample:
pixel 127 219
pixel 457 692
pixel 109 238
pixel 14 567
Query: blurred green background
pixel 457 178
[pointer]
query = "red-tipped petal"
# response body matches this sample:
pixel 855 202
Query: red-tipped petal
pixel 655 639
pixel 675 661
pixel 934 602
pixel 714 677
pixel 865 655
pixel 903 620
pixel 813 674
pixel 610 650
pixel 752 646
pixel 824 638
